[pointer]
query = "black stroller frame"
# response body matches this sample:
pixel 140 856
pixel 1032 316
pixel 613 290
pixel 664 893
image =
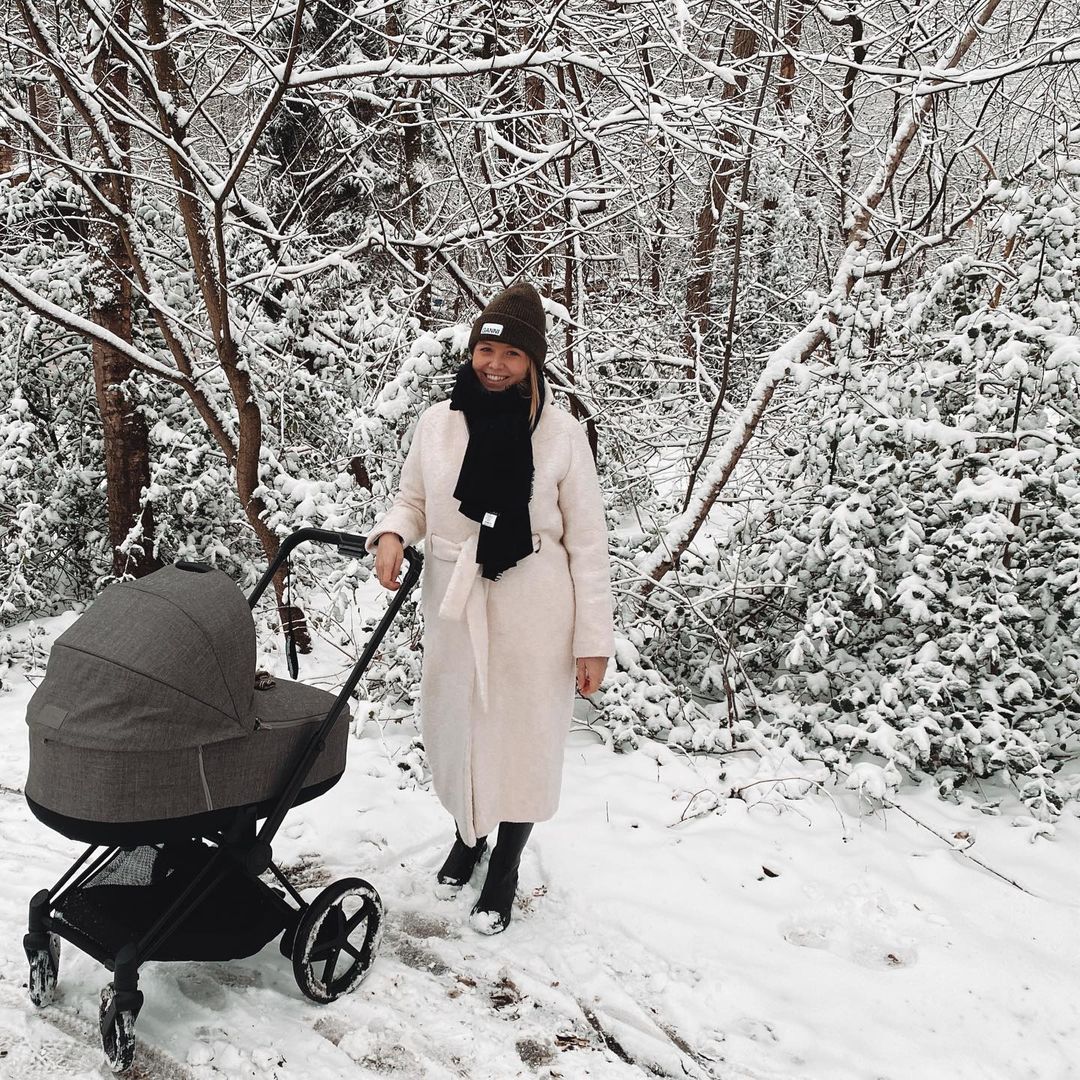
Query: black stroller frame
pixel 315 933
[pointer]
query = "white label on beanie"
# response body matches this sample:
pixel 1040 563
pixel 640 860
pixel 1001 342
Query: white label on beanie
pixel 494 328
pixel 489 520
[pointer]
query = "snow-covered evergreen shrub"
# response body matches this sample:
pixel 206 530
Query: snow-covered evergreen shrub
pixel 911 591
pixel 53 542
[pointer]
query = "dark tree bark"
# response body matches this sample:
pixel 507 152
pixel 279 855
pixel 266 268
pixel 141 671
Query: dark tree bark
pixel 785 90
pixel 124 434
pixel 7 150
pixel 721 171
pixel 206 244
pixel 664 202
pixel 858 55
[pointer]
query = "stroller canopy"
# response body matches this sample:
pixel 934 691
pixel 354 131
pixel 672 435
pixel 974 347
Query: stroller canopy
pixel 163 663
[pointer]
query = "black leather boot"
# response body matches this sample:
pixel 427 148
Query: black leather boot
pixel 459 866
pixel 491 914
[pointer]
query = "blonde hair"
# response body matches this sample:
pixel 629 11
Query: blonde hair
pixel 534 392
pixel 530 387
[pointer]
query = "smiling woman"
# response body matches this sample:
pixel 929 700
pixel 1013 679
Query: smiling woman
pixel 517 599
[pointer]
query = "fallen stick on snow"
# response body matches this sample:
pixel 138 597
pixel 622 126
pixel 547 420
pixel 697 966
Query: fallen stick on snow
pixel 960 851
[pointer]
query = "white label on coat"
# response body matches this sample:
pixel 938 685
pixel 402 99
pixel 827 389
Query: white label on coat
pixel 489 520
pixel 495 328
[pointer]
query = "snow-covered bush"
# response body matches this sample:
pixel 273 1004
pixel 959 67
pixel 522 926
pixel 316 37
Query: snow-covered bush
pixel 910 589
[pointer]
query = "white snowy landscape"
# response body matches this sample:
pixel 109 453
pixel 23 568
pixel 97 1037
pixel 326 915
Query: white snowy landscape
pixel 737 917
pixel 808 282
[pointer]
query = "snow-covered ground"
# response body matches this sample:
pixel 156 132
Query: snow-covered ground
pixel 668 924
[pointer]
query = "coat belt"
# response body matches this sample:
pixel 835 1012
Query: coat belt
pixel 466 599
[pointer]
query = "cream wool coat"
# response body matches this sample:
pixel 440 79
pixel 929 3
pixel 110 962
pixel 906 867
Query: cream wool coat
pixel 498 683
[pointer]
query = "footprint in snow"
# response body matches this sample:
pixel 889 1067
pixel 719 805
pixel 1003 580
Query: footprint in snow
pixel 419 924
pixel 406 934
pixel 757 1030
pixel 388 1058
pixel 332 1029
pixel 415 956
pixel 862 927
pixel 203 989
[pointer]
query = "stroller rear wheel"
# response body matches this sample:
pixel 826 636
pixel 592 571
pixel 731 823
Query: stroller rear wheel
pixel 44 970
pixel 337 939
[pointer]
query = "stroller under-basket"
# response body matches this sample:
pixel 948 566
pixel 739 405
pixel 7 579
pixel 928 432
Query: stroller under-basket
pixel 151 742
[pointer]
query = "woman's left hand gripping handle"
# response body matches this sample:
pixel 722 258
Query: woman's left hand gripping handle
pixel 389 555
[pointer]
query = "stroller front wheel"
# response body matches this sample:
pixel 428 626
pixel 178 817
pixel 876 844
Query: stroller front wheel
pixel 336 939
pixel 117 1032
pixel 44 970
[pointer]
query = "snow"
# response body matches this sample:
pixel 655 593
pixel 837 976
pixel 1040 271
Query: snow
pixel 791 354
pixel 988 488
pixel 484 922
pixel 391 68
pixel 39 304
pixel 870 780
pixel 692 916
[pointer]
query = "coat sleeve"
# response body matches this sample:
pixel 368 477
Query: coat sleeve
pixel 586 543
pixel 407 514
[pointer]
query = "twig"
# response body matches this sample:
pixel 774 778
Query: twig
pixel 700 813
pixel 959 851
pixel 737 792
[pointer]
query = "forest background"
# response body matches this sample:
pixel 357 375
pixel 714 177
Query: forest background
pixel 812 281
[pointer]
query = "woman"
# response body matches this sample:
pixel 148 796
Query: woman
pixel 516 592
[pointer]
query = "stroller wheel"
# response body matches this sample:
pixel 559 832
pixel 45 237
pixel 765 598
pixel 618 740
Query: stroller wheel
pixel 44 969
pixel 117 1032
pixel 336 939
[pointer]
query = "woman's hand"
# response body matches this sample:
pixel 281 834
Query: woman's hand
pixel 389 555
pixel 590 673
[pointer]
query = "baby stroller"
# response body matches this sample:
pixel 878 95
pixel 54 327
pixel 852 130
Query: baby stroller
pixel 151 741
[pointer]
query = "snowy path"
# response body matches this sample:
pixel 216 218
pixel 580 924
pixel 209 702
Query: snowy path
pixel 808 940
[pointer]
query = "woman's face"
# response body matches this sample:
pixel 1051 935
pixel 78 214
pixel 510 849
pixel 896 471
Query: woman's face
pixel 498 365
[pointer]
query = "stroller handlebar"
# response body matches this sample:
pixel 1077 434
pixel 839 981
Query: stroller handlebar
pixel 350 544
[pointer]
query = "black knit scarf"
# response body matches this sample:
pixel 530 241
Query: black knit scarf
pixel 495 483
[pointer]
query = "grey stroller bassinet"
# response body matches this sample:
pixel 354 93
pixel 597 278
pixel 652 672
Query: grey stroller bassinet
pixel 151 742
pixel 148 714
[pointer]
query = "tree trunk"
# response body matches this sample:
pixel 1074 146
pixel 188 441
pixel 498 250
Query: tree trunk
pixel 410 128
pixel 785 91
pixel 125 438
pixel 665 185
pixel 206 244
pixel 721 170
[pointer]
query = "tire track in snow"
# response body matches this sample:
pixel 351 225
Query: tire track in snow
pixel 57 1043
pixel 544 997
